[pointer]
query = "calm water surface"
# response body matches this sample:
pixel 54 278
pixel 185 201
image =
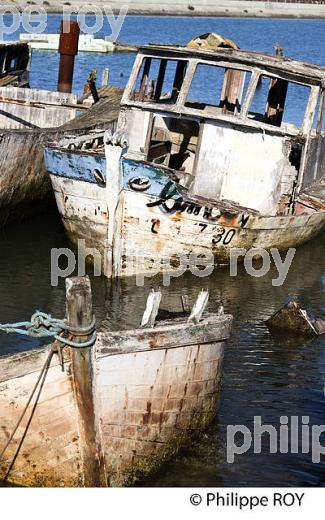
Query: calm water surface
pixel 263 375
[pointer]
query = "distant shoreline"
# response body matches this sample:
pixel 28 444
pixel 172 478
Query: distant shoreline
pixel 208 8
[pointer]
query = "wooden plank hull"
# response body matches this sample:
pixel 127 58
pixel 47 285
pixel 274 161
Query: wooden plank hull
pixel 152 392
pixel 291 317
pixel 152 229
pixel 50 452
pixel 162 399
pixel 29 119
pixel 24 185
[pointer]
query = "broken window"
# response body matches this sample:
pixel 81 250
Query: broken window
pixel 277 101
pixel 173 143
pixel 11 61
pixel 13 64
pixel 159 80
pixel 217 89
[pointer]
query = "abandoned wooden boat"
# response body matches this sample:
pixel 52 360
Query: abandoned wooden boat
pixel 23 181
pixel 120 408
pixel 25 117
pixel 215 150
pixel 28 117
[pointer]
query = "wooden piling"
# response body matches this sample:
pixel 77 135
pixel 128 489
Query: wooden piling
pixel 80 316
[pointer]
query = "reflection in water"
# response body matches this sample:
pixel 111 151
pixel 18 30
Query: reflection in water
pixel 263 376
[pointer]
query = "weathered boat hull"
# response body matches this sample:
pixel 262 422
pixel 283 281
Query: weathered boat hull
pixel 153 389
pixel 50 454
pixel 190 175
pixel 152 403
pixel 291 317
pixel 24 185
pixel 29 119
pixel 155 231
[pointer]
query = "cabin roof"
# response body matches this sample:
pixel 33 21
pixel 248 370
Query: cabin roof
pixel 250 58
pixel 14 43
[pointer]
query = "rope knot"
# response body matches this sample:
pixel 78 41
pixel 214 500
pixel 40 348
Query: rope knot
pixel 42 325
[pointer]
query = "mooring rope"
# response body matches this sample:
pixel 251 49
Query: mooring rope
pixel 42 325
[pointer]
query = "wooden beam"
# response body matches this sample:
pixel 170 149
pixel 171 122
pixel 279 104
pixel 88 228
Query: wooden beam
pixel 276 101
pixel 80 316
pixel 199 306
pixel 160 79
pixel 152 308
pixel 42 104
pixel 232 91
pixel 166 335
pixel 144 79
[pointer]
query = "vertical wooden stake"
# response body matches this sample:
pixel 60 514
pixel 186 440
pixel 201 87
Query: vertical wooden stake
pixel 80 315
pixel 199 306
pixel 152 308
pixel 115 146
pixel 105 78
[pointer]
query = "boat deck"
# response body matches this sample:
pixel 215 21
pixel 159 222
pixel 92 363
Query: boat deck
pixel 314 196
pixel 100 115
pixel 317 190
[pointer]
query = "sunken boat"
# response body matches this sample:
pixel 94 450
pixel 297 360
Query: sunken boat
pixel 113 412
pixel 291 317
pixel 216 149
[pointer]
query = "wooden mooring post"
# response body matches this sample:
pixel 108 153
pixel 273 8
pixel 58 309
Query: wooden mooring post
pixel 80 317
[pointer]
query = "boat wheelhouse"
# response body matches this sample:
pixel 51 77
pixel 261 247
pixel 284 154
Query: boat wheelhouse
pixel 214 150
pixel 14 64
pixel 232 125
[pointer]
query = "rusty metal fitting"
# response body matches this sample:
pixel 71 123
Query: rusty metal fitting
pixel 69 38
pixel 68 49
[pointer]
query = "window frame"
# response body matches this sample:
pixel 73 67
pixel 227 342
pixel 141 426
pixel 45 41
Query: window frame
pixel 221 65
pixel 240 118
pixel 149 136
pixel 3 60
pixel 305 126
pixel 321 114
pixel 130 89
pixel 12 56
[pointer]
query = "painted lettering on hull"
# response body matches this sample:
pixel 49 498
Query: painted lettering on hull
pixel 221 235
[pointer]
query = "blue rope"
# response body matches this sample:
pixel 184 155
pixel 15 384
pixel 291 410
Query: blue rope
pixel 42 325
